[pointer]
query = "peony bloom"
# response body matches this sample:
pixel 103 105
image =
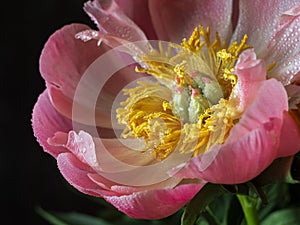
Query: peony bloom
pixel 216 111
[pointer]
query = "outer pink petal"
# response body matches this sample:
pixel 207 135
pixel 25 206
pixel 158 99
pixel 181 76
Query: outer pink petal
pixel 283 48
pixel 111 20
pixel 290 137
pixel 46 121
pixel 152 204
pixel 176 19
pixel 138 11
pixel 257 18
pixel 155 204
pixel 76 173
pixel 252 143
pixel 64 61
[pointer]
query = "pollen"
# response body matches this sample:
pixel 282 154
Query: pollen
pixel 189 108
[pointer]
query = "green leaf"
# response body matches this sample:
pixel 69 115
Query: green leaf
pixel 198 204
pixel 283 217
pixel 49 217
pixel 277 196
pixel 72 218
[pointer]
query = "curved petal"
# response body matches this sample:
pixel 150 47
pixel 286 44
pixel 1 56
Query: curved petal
pixel 283 47
pixel 64 59
pixel 138 11
pixel 76 173
pixel 242 160
pixel 46 121
pixel 271 101
pixel 250 72
pixel 257 19
pixel 111 20
pixel 290 137
pixel 176 19
pixel 63 64
pixel 155 204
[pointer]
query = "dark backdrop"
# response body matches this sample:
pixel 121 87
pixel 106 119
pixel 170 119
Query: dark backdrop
pixel 29 177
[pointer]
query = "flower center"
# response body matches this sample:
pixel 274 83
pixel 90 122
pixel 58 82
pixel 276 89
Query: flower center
pixel 189 109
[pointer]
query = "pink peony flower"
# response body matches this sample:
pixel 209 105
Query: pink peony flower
pixel 218 113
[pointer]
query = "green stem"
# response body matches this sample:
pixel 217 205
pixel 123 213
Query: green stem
pixel 249 209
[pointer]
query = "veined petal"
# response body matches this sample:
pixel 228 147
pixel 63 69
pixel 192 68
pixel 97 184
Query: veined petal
pixel 155 204
pixel 283 48
pixel 258 18
pixel 176 19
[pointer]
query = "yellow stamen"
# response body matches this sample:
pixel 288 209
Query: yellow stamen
pixel 153 112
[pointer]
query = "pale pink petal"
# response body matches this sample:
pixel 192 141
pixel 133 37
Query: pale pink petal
pixel 271 102
pixel 111 20
pixel 283 48
pixel 46 121
pixel 76 173
pixel 155 204
pixel 290 137
pixel 250 72
pixel 176 19
pixel 258 18
pixel 138 11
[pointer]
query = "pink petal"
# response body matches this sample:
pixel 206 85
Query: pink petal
pixel 64 59
pixel 63 63
pixel 252 143
pixel 235 162
pixel 283 46
pixel 258 18
pixel 250 72
pixel 46 121
pixel 138 11
pixel 111 20
pixel 176 19
pixel 290 137
pixel 155 204
pixel 76 173
pixel 270 102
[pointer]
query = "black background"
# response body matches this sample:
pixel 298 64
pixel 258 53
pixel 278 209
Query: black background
pixel 29 177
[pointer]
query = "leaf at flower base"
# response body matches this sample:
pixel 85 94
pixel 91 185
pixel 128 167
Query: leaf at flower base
pixel 198 204
pixel 71 218
pixel 283 217
pixel 278 197
pixel 49 217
